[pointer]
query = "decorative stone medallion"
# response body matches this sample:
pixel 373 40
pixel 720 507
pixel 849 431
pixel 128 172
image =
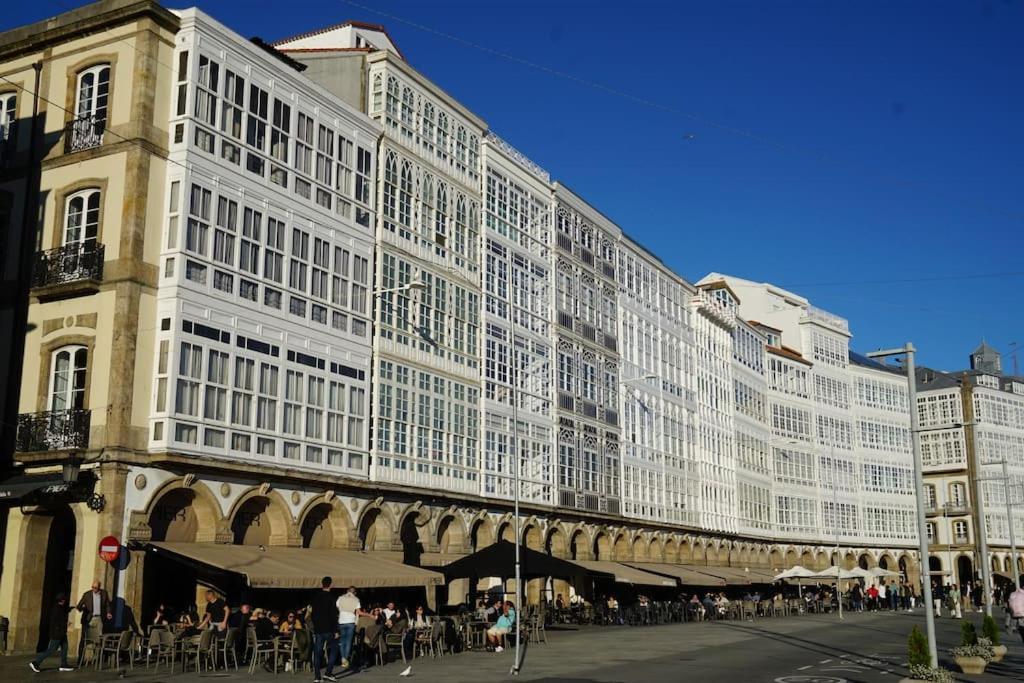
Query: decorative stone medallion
pixel 140 482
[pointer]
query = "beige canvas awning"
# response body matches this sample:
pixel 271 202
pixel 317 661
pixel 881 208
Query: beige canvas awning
pixel 626 574
pixel 283 567
pixel 736 576
pixel 685 575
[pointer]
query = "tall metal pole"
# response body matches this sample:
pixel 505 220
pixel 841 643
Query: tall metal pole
pixel 513 367
pixel 979 515
pixel 835 507
pixel 922 529
pixel 1009 523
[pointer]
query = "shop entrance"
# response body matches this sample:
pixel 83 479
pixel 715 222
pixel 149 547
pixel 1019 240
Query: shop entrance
pixel 57 568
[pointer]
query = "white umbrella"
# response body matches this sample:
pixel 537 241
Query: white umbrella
pixel 796 572
pixel 836 572
pixel 862 573
pixel 878 571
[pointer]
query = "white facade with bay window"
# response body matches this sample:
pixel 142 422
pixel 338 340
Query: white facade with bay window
pixel 263 339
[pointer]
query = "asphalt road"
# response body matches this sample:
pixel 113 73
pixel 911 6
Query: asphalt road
pixel 864 648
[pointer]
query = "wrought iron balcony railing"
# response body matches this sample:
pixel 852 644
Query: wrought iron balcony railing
pixel 956 509
pixel 67 264
pixel 84 132
pixel 54 430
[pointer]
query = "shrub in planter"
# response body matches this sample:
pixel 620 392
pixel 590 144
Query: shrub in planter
pixel 920 661
pixel 991 631
pixel 917 649
pixel 972 659
pixel 930 675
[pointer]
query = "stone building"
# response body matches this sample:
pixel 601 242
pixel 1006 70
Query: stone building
pixel 297 295
pixel 972 421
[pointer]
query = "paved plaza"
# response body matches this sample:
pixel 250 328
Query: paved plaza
pixel 864 648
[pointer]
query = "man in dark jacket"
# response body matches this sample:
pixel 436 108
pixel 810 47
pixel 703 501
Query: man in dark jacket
pixel 325 625
pixel 58 635
pixel 95 608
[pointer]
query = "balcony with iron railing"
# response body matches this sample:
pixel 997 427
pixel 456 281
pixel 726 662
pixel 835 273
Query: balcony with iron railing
pixel 84 132
pixel 55 430
pixel 67 271
pixel 955 509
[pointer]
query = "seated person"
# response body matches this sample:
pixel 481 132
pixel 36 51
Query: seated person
pixel 290 624
pixel 267 626
pixel 502 627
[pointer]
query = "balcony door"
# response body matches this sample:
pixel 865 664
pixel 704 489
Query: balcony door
pixel 93 91
pixel 67 378
pixel 82 221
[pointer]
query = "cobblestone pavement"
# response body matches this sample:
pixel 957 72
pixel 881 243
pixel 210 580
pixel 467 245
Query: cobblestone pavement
pixel 864 648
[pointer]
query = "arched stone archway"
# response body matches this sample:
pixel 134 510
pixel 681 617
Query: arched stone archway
pixel 866 561
pixel 507 532
pixel 178 512
pixel 684 555
pixel 414 535
pixel 670 551
pixel 376 529
pixel 262 519
pixel 776 560
pixel 602 548
pixel 481 533
pixel 451 535
pixel 532 537
pixel 579 547
pixel 807 560
pixel 556 543
pixel 326 524
pixel 655 551
pixel 791 558
pixel 639 551
pixel 850 561
pixel 621 550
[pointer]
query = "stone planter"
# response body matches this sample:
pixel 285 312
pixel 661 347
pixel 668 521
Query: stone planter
pixel 1000 652
pixel 971 665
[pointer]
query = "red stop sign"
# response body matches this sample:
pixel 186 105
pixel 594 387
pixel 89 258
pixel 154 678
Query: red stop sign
pixel 110 549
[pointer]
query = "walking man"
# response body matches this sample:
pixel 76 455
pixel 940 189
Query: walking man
pixel 95 607
pixel 349 609
pixel 325 627
pixel 58 635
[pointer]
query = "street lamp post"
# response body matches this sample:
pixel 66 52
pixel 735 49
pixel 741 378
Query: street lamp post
pixel 835 512
pixel 979 517
pixel 1009 524
pixel 922 529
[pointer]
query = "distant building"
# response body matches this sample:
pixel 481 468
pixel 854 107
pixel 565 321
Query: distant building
pixel 972 417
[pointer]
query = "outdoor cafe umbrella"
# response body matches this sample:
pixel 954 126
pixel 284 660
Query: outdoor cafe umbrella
pixel 879 572
pixel 797 573
pixel 499 561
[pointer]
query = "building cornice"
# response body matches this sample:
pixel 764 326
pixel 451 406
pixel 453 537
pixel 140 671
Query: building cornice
pixel 78 23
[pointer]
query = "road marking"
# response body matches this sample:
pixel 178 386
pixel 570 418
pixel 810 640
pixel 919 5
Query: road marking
pixel 805 668
pixel 825 661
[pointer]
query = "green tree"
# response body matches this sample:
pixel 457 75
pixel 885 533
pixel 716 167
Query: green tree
pixel 968 635
pixel 917 649
pixel 989 629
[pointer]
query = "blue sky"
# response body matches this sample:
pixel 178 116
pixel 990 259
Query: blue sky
pixel 809 144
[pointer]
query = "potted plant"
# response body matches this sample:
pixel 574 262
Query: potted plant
pixel 991 631
pixel 920 662
pixel 973 655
